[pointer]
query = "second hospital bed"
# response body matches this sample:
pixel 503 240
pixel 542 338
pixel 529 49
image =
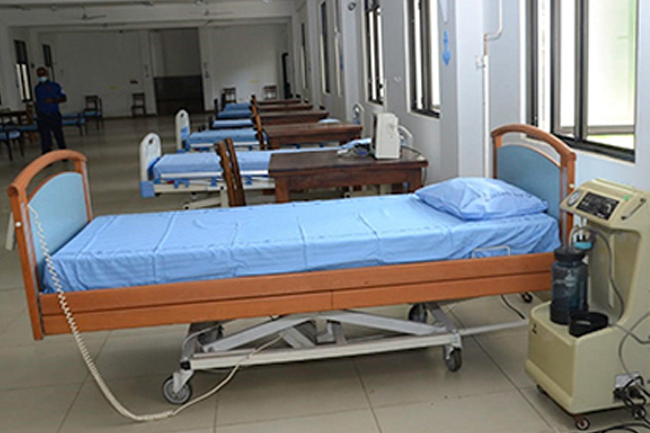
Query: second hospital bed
pixel 324 260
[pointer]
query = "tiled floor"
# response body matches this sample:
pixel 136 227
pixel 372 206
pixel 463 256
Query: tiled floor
pixel 44 386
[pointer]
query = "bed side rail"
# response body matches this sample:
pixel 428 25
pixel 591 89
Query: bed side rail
pixel 60 202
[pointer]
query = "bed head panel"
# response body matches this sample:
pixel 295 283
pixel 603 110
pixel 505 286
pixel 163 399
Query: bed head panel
pixel 62 202
pixel 60 207
pixel 529 170
pixel 150 151
pixel 547 171
pixel 182 128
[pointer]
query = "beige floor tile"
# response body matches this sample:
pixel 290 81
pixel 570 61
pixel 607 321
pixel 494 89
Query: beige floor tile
pixel 140 355
pixel 12 277
pixel 421 375
pixel 12 305
pixel 509 351
pixel 44 364
pixel 491 310
pixel 341 422
pixel 496 413
pixel 35 410
pixel 293 390
pixel 92 413
pixel 19 333
pixel 561 421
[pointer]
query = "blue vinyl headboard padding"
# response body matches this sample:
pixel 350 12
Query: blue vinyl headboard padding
pixel 61 207
pixel 529 170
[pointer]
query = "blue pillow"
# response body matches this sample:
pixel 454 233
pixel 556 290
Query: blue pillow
pixel 476 198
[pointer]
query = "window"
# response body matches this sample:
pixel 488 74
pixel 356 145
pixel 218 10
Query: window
pixel 303 57
pixel 324 49
pixel 424 53
pixel 47 59
pixel 374 54
pixel 582 72
pixel 22 71
pixel 338 48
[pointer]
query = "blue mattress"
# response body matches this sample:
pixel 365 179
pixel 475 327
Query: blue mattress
pixel 206 164
pixel 231 123
pixel 156 248
pixel 235 114
pixel 210 137
pixel 237 106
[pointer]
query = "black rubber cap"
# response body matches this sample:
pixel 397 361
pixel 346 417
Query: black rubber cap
pixel 583 322
pixel 568 254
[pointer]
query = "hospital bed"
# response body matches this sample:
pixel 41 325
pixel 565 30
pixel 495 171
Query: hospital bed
pixel 241 110
pixel 200 172
pixel 216 265
pixel 244 138
pixel 196 172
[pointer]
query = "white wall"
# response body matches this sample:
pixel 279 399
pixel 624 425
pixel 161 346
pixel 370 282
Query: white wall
pixel 110 64
pixel 176 52
pixel 244 57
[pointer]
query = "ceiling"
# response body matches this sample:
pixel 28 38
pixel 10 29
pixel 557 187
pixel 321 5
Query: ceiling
pixel 63 14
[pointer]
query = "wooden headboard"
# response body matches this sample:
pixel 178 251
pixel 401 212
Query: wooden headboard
pixel 547 170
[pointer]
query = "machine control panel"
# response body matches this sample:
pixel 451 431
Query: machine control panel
pixel 597 205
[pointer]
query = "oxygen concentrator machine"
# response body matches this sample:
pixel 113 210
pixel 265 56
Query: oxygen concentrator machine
pixel 582 373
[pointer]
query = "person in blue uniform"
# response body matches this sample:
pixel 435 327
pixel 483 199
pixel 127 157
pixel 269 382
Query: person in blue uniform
pixel 48 97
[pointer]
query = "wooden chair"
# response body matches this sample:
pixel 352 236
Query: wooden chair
pixel 257 120
pixel 270 92
pixel 94 110
pixel 228 95
pixel 139 104
pixel 231 173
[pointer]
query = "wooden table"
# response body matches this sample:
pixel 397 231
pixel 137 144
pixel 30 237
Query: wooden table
pixel 287 117
pixel 279 101
pixel 285 107
pixel 310 133
pixel 328 169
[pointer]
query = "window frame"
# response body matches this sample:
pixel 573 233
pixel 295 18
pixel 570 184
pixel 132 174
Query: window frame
pixel 48 61
pixel 22 71
pixel 326 79
pixel 421 59
pixel 580 128
pixel 374 54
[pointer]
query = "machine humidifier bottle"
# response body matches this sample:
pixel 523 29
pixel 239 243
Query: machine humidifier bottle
pixel 569 277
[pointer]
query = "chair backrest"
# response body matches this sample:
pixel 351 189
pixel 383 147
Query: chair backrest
pixel 92 103
pixel 138 99
pixel 257 121
pixel 270 91
pixel 231 173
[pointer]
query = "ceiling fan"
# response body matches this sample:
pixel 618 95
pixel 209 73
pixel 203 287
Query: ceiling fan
pixel 86 17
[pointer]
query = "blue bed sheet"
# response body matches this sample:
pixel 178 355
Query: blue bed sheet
pixel 156 248
pixel 210 137
pixel 231 123
pixel 237 106
pixel 206 164
pixel 235 114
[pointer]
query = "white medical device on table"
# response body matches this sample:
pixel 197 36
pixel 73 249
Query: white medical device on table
pixel 386 138
pixel 588 372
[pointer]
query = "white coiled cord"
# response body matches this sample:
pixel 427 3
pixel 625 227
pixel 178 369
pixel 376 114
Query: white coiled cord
pixel 90 363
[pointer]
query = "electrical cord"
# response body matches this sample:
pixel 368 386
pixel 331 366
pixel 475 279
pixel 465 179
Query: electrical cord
pixel 90 363
pixel 513 308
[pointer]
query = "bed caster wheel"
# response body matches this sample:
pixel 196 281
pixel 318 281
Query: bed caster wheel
pixel 181 397
pixel 186 206
pixel 418 313
pixel 527 297
pixel 582 423
pixel 453 360
pixel 639 413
